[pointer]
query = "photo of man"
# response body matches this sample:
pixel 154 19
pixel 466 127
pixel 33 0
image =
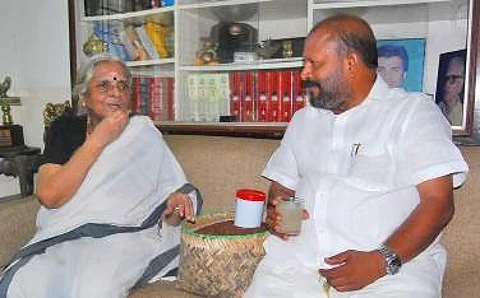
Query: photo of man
pixel 451 86
pixel 401 63
pixel 393 64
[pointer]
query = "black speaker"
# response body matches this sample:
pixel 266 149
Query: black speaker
pixel 233 37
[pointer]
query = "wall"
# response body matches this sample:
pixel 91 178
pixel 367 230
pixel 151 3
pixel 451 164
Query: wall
pixel 35 53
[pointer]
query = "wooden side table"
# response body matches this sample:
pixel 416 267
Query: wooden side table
pixel 20 162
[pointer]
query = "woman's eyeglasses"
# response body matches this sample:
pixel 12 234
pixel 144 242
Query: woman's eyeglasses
pixel 106 86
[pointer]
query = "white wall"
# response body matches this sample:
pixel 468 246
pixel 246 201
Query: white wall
pixel 35 52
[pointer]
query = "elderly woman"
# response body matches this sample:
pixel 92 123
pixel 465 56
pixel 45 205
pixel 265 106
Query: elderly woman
pixel 112 197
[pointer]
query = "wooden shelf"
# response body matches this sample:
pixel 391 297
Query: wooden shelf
pixel 151 62
pixel 273 130
pixel 259 64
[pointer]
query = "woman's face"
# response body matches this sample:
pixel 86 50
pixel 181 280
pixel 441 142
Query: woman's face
pixel 108 90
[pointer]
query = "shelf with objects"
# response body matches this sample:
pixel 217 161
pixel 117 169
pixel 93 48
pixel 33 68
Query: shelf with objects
pixel 239 67
pixel 221 51
pixel 416 37
pixel 142 34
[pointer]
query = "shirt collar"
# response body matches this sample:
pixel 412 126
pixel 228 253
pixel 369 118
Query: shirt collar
pixel 379 89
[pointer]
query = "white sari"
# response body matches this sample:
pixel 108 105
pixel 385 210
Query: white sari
pixel 118 204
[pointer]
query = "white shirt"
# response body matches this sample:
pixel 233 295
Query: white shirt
pixel 357 171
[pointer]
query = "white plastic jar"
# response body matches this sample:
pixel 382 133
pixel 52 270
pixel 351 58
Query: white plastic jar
pixel 249 208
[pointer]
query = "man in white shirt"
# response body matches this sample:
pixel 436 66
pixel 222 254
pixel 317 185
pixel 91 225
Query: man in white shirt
pixel 376 167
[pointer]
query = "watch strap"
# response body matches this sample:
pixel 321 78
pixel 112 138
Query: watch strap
pixel 393 261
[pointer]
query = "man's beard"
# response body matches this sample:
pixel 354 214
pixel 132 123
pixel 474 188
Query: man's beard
pixel 332 93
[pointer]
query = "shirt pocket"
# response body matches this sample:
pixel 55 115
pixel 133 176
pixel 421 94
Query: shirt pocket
pixel 371 169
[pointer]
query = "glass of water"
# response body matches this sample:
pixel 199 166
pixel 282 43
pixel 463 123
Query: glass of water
pixel 290 209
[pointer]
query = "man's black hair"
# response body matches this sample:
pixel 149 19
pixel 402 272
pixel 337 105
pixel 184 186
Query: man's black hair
pixel 390 50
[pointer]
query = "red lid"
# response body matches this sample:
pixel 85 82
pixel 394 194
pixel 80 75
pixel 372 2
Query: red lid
pixel 251 195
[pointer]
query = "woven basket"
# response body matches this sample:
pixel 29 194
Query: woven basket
pixel 217 265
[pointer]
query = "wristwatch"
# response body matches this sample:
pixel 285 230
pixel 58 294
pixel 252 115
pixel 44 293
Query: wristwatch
pixel 393 261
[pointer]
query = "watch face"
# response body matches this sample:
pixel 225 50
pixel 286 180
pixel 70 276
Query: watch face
pixel 394 265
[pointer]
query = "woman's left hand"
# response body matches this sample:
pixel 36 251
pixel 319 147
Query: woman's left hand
pixel 179 206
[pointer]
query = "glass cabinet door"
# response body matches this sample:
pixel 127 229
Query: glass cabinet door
pixel 142 33
pixel 232 67
pixel 432 42
pixel 239 64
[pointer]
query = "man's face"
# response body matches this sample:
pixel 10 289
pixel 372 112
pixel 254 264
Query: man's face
pixel 324 74
pixel 108 90
pixel 454 80
pixel 392 71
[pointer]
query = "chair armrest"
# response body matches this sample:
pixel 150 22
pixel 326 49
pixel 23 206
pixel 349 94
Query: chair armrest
pixel 17 225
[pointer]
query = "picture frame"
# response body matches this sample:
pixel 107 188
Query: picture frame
pixel 401 63
pixel 450 90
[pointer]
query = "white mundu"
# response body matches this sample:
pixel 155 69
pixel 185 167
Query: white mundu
pixel 357 172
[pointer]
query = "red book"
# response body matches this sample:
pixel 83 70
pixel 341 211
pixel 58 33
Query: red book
pixel 247 97
pixel 299 92
pixel 164 97
pixel 170 99
pixel 263 108
pixel 263 104
pixel 137 97
pixel 285 93
pixel 235 104
pixel 155 99
pixel 272 95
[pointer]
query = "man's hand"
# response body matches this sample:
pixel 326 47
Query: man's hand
pixel 354 269
pixel 274 219
pixel 179 206
pixel 110 128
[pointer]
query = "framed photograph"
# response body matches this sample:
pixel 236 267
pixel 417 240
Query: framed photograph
pixel 401 63
pixel 450 92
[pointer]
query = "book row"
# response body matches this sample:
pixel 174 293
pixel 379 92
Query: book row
pixel 148 41
pixel 247 96
pixel 243 96
pixel 154 97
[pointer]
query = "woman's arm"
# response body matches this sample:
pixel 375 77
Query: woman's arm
pixel 56 184
pixel 179 207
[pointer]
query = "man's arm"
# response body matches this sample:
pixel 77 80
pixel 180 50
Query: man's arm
pixel 358 269
pixel 427 220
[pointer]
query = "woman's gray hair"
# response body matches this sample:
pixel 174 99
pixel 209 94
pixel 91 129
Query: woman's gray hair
pixel 85 74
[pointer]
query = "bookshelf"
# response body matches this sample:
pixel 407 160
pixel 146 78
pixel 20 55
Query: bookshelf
pixel 194 21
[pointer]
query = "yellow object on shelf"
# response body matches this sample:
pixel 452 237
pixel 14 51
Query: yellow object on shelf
pixel 157 34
